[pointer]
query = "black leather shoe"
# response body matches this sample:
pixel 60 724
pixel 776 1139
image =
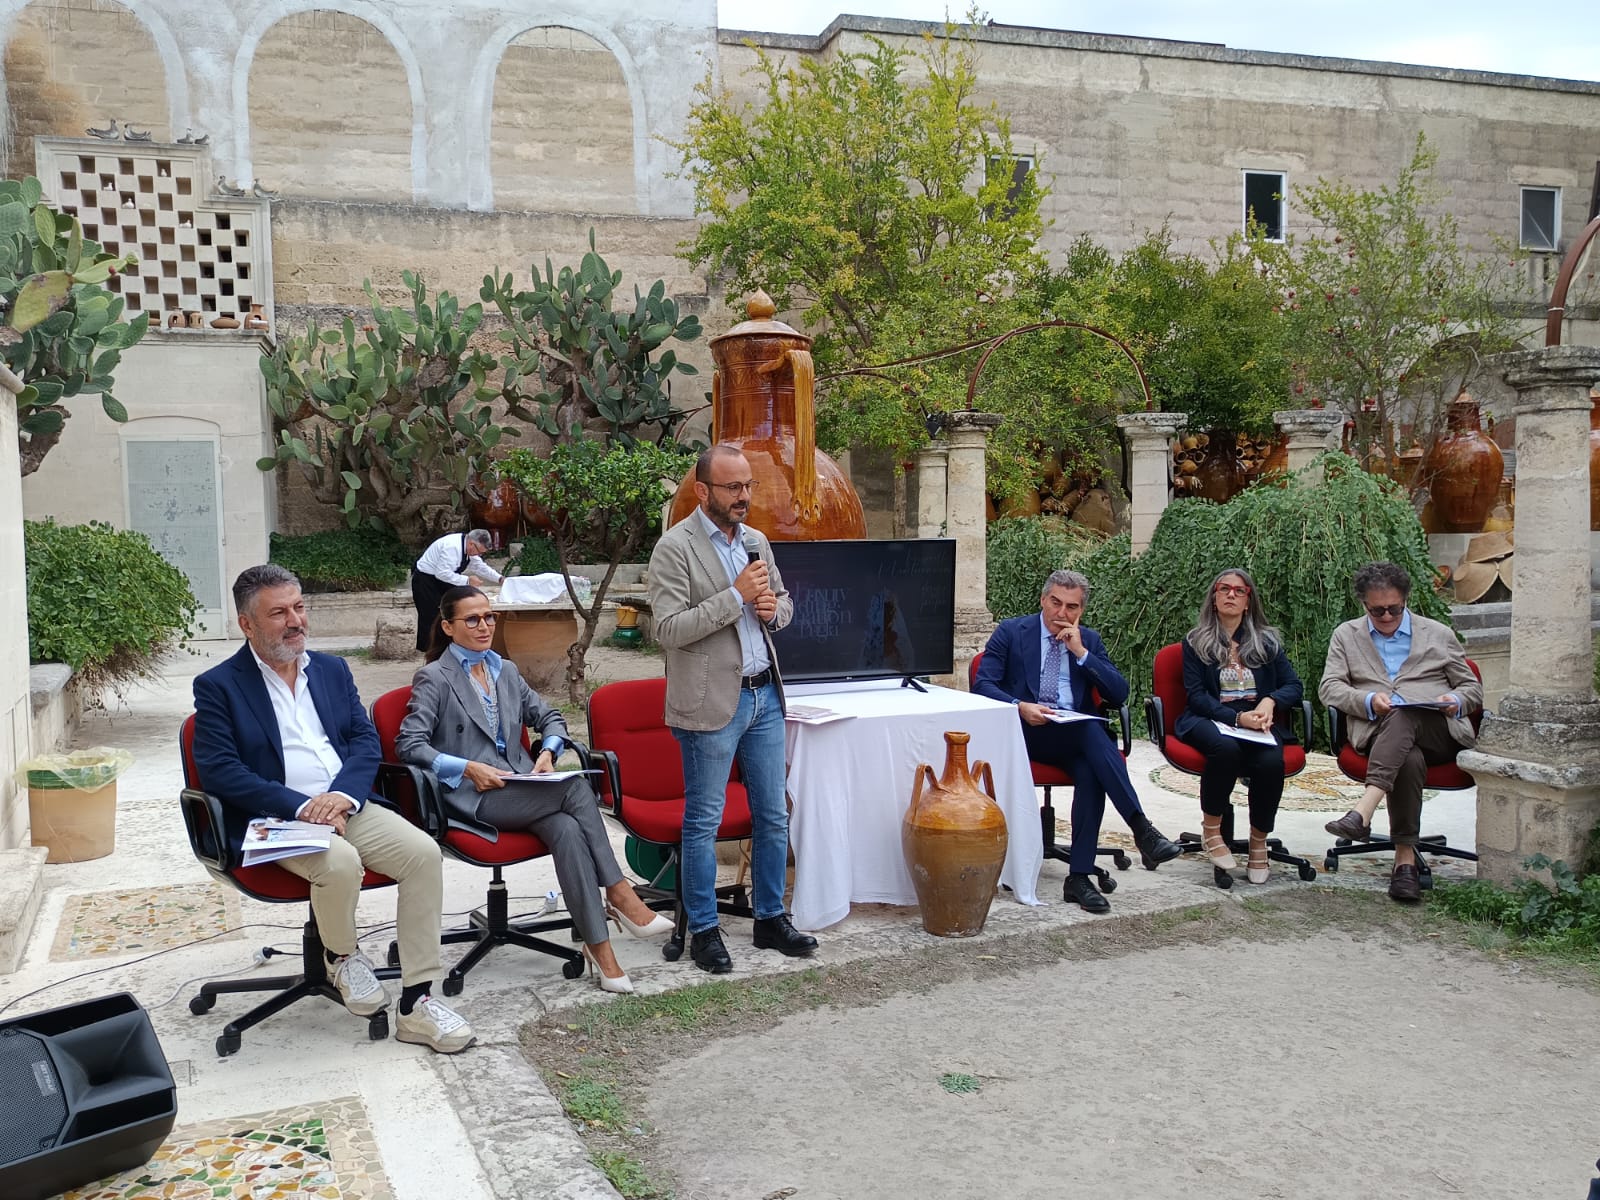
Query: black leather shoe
pixel 778 933
pixel 1405 885
pixel 1155 848
pixel 709 953
pixel 1080 890
pixel 1350 826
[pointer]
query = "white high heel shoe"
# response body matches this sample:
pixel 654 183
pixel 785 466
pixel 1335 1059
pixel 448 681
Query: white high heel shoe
pixel 621 985
pixel 657 924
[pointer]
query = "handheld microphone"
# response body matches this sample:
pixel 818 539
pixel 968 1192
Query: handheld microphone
pixel 752 547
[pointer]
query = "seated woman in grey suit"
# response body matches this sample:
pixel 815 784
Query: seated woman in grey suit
pixel 468 710
pixel 1236 673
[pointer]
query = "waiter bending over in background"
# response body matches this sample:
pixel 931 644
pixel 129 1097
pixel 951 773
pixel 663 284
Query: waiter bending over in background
pixel 449 562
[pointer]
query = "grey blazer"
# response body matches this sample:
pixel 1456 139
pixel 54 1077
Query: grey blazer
pixel 1436 665
pixel 693 610
pixel 447 717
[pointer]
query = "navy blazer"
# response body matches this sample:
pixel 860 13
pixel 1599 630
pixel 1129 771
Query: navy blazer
pixel 1203 683
pixel 238 749
pixel 1011 666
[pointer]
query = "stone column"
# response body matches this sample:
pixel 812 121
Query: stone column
pixel 1537 761
pixel 966 485
pixel 1308 432
pixel 932 468
pixel 1149 438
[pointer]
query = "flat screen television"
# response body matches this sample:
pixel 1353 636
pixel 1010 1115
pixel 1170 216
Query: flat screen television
pixel 868 609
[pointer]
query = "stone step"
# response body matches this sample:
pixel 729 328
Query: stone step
pixel 21 888
pixel 1467 617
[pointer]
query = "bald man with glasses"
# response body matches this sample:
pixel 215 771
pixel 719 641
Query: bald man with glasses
pixel 1381 667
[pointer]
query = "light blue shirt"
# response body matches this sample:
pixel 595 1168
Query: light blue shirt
pixel 735 558
pixel 451 769
pixel 1064 694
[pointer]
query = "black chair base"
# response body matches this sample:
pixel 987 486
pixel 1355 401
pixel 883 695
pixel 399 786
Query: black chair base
pixel 492 927
pixel 1053 849
pixel 312 980
pixel 1434 844
pixel 1193 843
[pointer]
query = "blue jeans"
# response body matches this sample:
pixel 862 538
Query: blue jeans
pixel 755 737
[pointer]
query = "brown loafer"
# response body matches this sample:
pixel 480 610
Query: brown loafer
pixel 1350 826
pixel 1405 885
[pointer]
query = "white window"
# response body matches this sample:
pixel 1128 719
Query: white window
pixel 1021 166
pixel 1264 193
pixel 1541 218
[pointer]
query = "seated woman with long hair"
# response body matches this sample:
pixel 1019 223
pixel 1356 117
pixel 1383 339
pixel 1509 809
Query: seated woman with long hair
pixel 1236 672
pixel 468 710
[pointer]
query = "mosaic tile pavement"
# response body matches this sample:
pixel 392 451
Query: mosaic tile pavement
pixel 323 1151
pixel 1321 787
pixel 139 920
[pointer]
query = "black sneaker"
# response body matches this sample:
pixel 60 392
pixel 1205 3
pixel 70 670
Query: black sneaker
pixel 778 933
pixel 709 953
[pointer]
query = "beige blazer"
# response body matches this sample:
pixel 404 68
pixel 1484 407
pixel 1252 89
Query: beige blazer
pixel 1436 665
pixel 693 610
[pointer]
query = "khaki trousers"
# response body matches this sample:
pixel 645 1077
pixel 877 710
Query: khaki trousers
pixel 381 839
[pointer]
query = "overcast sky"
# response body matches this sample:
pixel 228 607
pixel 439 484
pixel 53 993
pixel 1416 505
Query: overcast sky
pixel 1557 37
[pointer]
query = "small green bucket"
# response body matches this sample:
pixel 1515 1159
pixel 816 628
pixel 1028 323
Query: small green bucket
pixel 647 860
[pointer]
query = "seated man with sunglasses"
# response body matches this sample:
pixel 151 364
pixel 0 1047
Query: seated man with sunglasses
pixel 1381 669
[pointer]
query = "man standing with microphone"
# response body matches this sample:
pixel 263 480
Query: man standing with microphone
pixel 715 596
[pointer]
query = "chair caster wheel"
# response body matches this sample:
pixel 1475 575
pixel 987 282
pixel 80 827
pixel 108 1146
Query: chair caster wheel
pixel 378 1025
pixel 452 985
pixel 202 1004
pixel 227 1044
pixel 1307 872
pixel 672 951
pixel 1122 861
pixel 1330 864
pixel 572 968
pixel 1105 882
pixel 393 957
pixel 1221 878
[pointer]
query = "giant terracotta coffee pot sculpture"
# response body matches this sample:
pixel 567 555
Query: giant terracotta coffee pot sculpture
pixel 761 402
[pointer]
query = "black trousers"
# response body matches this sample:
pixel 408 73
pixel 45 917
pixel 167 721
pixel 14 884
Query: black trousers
pixel 1227 761
pixel 426 592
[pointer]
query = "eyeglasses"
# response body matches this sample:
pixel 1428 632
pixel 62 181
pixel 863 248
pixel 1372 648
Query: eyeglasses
pixel 738 489
pixel 1385 610
pixel 475 620
pixel 1232 589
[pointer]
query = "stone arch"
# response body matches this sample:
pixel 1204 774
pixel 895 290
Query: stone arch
pixel 328 103
pixel 70 64
pixel 564 120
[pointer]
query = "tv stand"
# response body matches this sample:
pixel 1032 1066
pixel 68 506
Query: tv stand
pixel 908 681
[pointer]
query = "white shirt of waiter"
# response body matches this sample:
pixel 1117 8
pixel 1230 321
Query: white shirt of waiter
pixel 443 557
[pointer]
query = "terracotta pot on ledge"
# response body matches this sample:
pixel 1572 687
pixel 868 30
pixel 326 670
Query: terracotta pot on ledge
pixel 1464 470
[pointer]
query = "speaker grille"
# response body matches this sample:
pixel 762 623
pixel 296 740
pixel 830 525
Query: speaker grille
pixel 34 1110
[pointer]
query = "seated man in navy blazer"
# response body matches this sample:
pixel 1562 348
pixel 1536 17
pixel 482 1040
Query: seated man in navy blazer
pixel 279 731
pixel 1048 663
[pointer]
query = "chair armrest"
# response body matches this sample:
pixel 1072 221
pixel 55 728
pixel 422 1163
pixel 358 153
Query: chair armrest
pixel 608 786
pixel 208 832
pixel 1308 726
pixel 416 794
pixel 1112 722
pixel 1155 721
pixel 1336 731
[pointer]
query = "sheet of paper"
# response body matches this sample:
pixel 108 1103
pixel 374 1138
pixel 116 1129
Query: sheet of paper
pixel 1247 735
pixel 547 776
pixel 813 714
pixel 1065 716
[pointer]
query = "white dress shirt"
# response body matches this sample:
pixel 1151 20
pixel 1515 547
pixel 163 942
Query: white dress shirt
pixel 310 763
pixel 443 557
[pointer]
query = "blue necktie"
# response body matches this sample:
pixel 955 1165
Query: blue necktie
pixel 1050 683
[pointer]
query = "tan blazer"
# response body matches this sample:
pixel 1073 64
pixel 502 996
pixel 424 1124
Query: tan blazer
pixel 693 610
pixel 1436 665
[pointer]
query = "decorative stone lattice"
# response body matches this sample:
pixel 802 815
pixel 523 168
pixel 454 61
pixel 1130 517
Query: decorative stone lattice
pixel 199 252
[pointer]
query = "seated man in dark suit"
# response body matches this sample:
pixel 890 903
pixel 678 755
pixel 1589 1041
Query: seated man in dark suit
pixel 280 732
pixel 1050 662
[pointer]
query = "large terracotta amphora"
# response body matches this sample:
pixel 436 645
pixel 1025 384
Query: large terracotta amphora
pixel 954 837
pixel 762 402
pixel 1464 470
pixel 1594 458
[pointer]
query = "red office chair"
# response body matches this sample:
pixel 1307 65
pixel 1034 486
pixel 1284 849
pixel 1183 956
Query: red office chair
pixel 493 926
pixel 627 723
pixel 1167 702
pixel 1046 776
pixel 1446 777
pixel 203 818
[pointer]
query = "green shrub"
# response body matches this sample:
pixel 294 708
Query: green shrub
pixel 1561 917
pixel 344 560
pixel 102 601
pixel 538 556
pixel 1022 551
pixel 1301 543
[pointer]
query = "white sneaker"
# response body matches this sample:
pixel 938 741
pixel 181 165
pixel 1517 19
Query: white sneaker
pixel 434 1024
pixel 358 985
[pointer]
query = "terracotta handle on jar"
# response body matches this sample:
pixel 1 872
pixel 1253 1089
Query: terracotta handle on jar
pixel 982 768
pixel 923 769
pixel 716 405
pixel 806 505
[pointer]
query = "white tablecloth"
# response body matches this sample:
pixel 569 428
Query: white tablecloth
pixel 850 783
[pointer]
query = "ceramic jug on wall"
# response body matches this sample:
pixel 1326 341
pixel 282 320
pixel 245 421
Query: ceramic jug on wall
pixel 761 402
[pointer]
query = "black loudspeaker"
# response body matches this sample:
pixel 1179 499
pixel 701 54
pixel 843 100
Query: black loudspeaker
pixel 86 1093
